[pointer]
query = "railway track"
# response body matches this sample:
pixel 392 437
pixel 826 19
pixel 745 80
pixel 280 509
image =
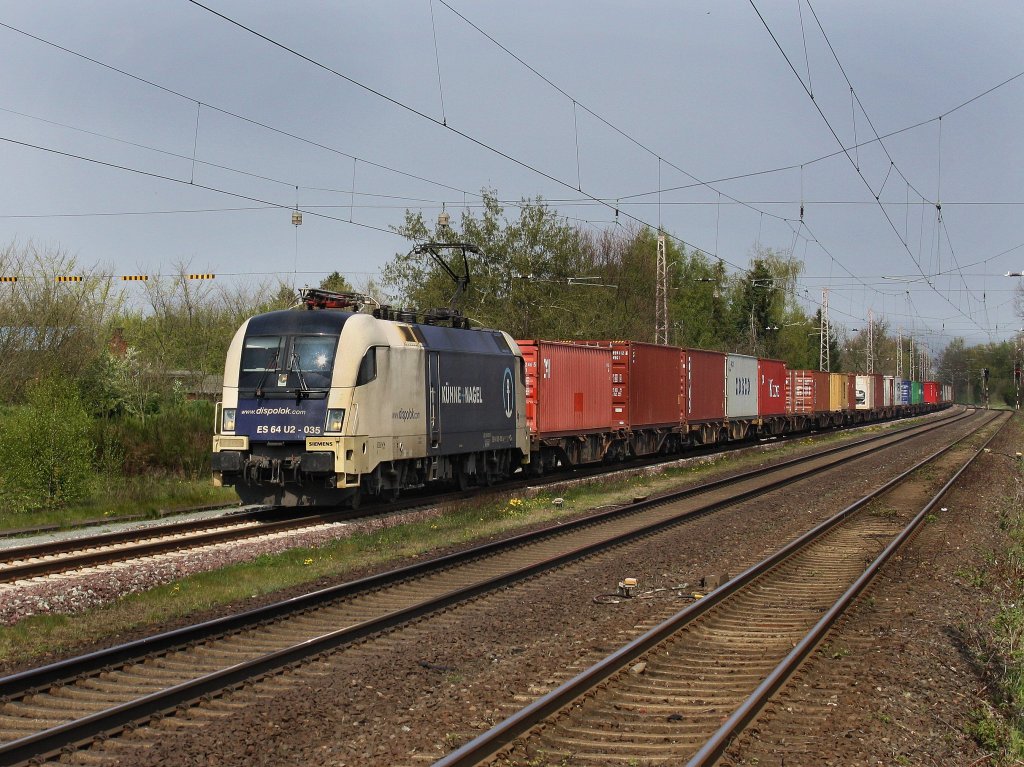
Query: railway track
pixel 23 562
pixel 63 705
pixel 682 691
pixel 20 564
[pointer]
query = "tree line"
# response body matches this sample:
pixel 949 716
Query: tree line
pixel 126 371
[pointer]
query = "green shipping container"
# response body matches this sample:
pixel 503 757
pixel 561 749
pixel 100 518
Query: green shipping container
pixel 916 393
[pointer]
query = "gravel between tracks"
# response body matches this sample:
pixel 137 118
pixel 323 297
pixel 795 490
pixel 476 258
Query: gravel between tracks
pixel 429 687
pixel 78 591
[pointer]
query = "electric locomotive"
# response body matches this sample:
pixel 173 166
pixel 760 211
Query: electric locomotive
pixel 323 404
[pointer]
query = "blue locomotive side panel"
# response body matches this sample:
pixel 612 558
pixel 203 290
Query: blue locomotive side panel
pixel 471 394
pixel 277 420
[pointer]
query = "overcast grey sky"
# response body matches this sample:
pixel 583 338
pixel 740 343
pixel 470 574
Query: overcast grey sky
pixel 702 86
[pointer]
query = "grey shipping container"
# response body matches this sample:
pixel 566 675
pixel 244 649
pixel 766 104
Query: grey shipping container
pixel 740 386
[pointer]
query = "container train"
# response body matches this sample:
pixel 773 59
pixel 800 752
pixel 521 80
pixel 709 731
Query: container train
pixel 325 405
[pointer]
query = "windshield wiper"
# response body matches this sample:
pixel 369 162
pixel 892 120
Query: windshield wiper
pixel 266 371
pixel 293 365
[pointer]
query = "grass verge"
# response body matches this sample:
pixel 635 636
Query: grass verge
pixel 143 496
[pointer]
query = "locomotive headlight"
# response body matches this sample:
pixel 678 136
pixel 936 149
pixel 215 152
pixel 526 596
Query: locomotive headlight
pixel 335 417
pixel 227 422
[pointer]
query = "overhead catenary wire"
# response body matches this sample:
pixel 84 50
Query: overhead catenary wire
pixel 163 177
pixel 860 174
pixel 843 149
pixel 434 120
pixel 480 142
pixel 666 202
pixel 230 113
pixel 319 144
pixel 636 142
pixel 892 162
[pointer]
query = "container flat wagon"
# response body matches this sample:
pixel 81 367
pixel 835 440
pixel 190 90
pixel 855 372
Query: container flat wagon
pixel 705 396
pixel 741 392
pixel 869 396
pixel 568 402
pixel 648 394
pixel 807 399
pixel 771 396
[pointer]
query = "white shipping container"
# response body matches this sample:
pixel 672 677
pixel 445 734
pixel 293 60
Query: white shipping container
pixel 865 391
pixel 740 386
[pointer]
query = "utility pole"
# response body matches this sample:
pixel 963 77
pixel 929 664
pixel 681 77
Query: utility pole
pixel 912 359
pixel 824 363
pixel 871 342
pixel 1017 372
pixel 661 296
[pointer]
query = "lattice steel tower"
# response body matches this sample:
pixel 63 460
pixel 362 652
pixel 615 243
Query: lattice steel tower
pixel 899 352
pixel 824 363
pixel 661 296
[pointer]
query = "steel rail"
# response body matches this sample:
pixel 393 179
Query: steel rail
pixel 502 734
pixel 236 529
pixel 749 709
pixel 88 727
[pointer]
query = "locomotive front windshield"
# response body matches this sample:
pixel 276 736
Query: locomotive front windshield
pixel 285 364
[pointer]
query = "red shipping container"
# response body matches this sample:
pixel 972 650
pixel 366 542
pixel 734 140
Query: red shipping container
pixel 647 384
pixel 931 392
pixel 807 392
pixel 705 386
pixel 851 391
pixel 568 388
pixel 771 387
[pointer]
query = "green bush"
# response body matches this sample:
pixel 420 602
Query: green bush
pixel 45 450
pixel 175 440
